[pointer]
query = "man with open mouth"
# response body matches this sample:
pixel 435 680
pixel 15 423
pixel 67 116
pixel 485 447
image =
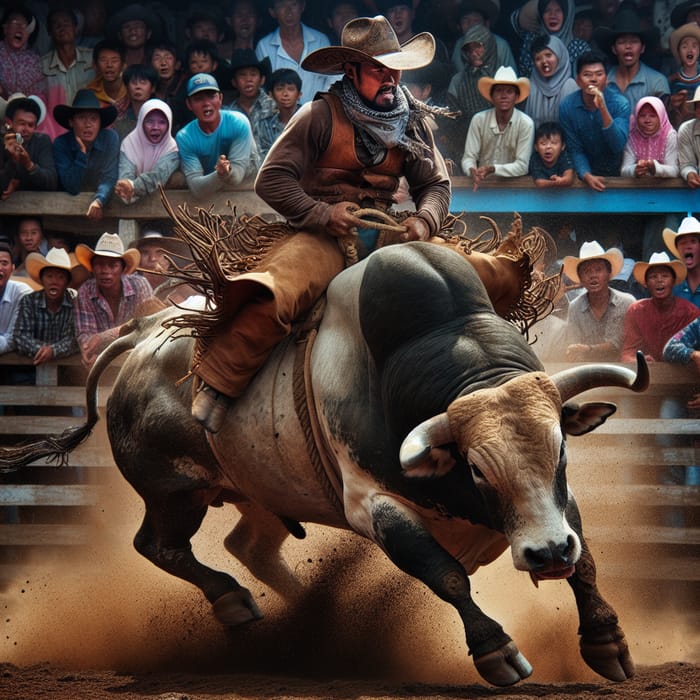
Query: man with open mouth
pixel 685 245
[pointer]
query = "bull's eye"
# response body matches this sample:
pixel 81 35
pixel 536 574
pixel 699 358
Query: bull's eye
pixel 477 474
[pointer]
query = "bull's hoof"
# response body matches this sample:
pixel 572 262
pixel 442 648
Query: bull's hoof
pixel 607 654
pixel 505 666
pixel 236 608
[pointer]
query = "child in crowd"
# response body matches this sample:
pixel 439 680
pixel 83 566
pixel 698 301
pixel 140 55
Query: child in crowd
pixel 652 145
pixel 685 46
pixel 285 89
pixel 200 57
pixel 30 236
pixel 165 60
pixel 550 164
pixel 141 82
pixel 148 155
pixel 108 86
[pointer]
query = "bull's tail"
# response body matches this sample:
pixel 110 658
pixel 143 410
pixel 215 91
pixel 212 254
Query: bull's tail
pixel 57 447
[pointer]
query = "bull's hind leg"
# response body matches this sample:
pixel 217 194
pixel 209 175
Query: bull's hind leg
pixel 256 542
pixel 164 539
pixel 603 644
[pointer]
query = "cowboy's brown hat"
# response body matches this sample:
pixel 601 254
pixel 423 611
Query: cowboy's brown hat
pixel 372 39
pixel 592 250
pixel 505 75
pixel 109 246
pixel 640 269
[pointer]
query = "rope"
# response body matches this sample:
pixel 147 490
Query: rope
pixel 385 223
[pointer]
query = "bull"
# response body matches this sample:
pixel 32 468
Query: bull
pixel 444 435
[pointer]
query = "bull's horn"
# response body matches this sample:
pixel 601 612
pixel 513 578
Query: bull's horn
pixel 418 443
pixel 571 382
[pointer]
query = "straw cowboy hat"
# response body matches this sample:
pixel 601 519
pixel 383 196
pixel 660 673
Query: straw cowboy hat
pixel 505 75
pixel 640 269
pixel 689 225
pixel 4 104
pixel 109 246
pixel 372 39
pixel 58 258
pixel 687 30
pixel 84 100
pixel 592 250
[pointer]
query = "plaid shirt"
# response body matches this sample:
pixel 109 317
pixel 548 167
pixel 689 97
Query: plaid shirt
pixel 262 115
pixel 93 314
pixel 36 326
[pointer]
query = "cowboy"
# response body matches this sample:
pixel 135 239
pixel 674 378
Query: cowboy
pixel 689 144
pixel 134 26
pixel 685 245
pixel 45 327
pixel 627 41
pixel 87 156
pixel 594 324
pixel 345 149
pixel 11 292
pixel 111 297
pixel 499 140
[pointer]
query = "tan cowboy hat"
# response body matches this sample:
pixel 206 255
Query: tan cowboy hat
pixel 372 39
pixel 505 75
pixel 691 29
pixel 109 246
pixel 689 225
pixel 56 257
pixel 658 260
pixel 592 250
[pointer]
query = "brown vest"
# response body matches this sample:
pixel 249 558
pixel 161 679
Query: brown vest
pixel 338 175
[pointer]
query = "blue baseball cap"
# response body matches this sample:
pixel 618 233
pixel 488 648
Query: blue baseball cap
pixel 201 81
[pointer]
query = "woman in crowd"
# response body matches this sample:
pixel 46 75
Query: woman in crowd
pixel 20 66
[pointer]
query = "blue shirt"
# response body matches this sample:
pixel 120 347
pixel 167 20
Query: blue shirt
pixel 9 308
pixel 682 290
pixel 97 169
pixel 200 151
pixel 595 149
pixel 647 83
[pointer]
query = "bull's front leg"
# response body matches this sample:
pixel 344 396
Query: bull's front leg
pixel 413 549
pixel 603 644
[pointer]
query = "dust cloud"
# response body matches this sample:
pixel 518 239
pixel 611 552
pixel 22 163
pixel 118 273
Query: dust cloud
pixel 108 608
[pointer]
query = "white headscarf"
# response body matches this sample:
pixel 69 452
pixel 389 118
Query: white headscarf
pixel 138 149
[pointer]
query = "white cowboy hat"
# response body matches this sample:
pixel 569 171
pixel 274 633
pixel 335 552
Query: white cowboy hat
pixel 109 246
pixel 4 104
pixel 689 225
pixel 592 250
pixel 691 29
pixel 657 260
pixel 696 97
pixel 372 39
pixel 505 75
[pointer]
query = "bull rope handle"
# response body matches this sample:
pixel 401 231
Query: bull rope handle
pixel 366 217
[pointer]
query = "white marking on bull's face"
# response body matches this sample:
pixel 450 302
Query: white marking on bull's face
pixel 512 440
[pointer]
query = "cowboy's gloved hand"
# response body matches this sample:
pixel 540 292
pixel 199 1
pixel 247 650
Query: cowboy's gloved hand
pixel 341 221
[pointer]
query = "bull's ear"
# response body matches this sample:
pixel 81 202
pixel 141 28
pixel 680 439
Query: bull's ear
pixel 579 420
pixel 437 462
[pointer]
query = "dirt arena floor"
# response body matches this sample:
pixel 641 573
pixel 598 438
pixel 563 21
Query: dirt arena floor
pixel 105 623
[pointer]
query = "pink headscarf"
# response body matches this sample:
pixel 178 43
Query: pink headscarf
pixel 138 149
pixel 650 147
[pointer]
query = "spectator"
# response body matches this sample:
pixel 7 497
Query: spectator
pixel 20 66
pixel 244 21
pixel 652 146
pixel 499 140
pixel 292 41
pixel 463 95
pixel 141 82
pixel 689 145
pixel 111 297
pixel 596 317
pixel 217 149
pixel 685 245
pixel 285 90
pixel 171 78
pixel 45 328
pixel 30 235
pixel 649 323
pixel 685 47
pixel 550 164
pixel 338 14
pixel 627 41
pixel 87 157
pixel 67 67
pixel 685 13
pixel 596 123
pixel 108 86
pixel 11 292
pixel 134 26
pixel 555 17
pixel 94 21
pixel 27 156
pixel 583 26
pixel 683 348
pixel 474 13
pixel 148 156
pixel 206 22
pixel 157 251
pixel 550 81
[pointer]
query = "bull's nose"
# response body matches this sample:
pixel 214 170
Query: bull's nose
pixel 553 555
